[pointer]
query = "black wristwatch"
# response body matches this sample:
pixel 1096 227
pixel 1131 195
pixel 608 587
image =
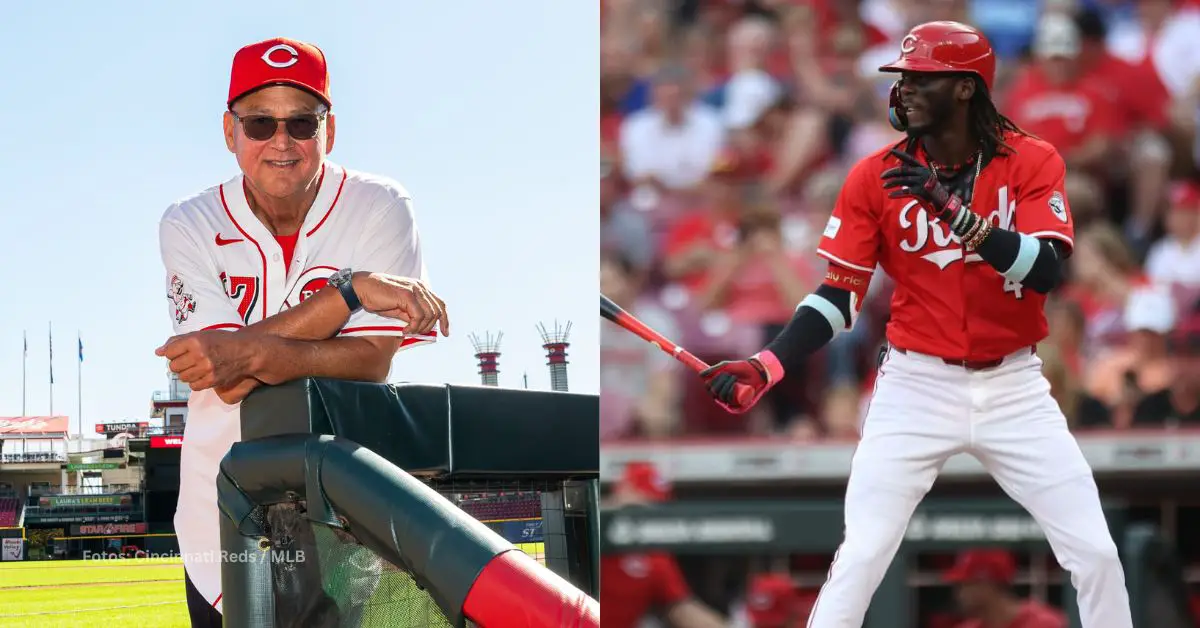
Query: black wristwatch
pixel 341 281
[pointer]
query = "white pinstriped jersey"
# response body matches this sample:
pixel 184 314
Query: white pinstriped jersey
pixel 224 270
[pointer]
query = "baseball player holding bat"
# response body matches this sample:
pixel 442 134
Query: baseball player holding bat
pixel 969 216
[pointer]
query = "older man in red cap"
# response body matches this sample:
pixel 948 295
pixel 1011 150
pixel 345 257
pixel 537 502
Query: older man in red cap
pixel 247 263
pixel 637 583
pixel 983 579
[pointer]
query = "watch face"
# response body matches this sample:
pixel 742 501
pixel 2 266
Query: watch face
pixel 340 277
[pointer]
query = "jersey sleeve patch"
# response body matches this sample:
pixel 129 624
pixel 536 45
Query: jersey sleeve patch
pixel 1058 206
pixel 831 227
pixel 184 301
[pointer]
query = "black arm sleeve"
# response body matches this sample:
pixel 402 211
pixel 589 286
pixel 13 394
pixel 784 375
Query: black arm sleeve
pixel 808 330
pixel 1000 250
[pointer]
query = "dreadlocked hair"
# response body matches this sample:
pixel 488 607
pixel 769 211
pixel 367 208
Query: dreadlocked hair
pixel 988 124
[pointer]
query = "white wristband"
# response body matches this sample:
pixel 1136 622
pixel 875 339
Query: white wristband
pixel 1026 256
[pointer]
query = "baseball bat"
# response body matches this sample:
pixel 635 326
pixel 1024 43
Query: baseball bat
pixel 618 315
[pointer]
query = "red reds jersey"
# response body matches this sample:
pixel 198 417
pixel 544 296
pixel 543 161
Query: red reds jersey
pixel 636 583
pixel 947 302
pixel 1141 98
pixel 1063 115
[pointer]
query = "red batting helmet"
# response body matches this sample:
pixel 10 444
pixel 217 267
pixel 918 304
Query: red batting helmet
pixel 940 47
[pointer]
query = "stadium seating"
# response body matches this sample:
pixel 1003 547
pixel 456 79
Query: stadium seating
pixel 10 510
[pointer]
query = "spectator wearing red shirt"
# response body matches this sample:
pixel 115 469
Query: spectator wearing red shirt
pixel 1049 100
pixel 982 580
pixel 1142 123
pixel 637 583
pixel 696 239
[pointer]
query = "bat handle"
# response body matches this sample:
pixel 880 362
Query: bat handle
pixel 742 394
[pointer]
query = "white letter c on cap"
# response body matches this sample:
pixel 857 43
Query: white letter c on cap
pixel 295 56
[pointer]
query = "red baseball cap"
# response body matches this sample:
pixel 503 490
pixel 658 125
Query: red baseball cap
pixel 771 599
pixel 989 565
pixel 643 478
pixel 279 61
pixel 1185 195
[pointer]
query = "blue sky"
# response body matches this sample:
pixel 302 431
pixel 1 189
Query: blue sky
pixel 485 111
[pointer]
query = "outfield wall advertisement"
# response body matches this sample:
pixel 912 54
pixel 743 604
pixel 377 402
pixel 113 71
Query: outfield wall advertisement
pixel 12 549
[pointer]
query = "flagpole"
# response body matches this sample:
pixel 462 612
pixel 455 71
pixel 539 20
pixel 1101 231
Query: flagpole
pixel 79 382
pixel 51 327
pixel 24 359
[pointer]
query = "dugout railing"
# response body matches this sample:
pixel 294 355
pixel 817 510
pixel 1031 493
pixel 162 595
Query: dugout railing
pixel 343 506
pixel 766 529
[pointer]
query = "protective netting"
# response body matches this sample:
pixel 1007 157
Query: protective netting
pixel 324 578
pixel 514 509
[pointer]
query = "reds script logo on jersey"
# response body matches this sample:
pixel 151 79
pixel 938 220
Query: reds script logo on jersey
pixel 941 307
pixel 923 232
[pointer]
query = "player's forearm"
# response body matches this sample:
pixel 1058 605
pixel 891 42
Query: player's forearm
pixel 1035 264
pixel 318 317
pixel 280 360
pixel 1029 261
pixel 812 326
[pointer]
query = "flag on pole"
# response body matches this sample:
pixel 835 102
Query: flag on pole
pixel 81 348
pixel 51 354
pixel 25 339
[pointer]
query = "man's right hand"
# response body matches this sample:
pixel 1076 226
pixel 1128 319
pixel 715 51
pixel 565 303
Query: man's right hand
pixel 760 372
pixel 402 298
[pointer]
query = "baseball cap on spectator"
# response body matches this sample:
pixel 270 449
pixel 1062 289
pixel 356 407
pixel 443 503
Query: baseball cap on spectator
pixel 279 61
pixel 1149 309
pixel 749 95
pixel 982 565
pixel 771 600
pixel 643 478
pixel 1056 36
pixel 1185 195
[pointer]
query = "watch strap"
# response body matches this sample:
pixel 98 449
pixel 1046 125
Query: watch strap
pixel 346 287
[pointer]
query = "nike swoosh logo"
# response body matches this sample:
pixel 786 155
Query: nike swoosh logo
pixel 223 242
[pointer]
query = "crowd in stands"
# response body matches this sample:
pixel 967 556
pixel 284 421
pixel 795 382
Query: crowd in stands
pixel 500 509
pixel 728 126
pixel 10 506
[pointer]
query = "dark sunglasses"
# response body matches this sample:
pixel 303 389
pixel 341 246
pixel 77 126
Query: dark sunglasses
pixel 261 128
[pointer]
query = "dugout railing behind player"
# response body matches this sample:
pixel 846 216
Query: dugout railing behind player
pixel 779 528
pixel 333 511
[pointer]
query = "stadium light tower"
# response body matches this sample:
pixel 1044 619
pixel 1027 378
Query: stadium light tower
pixel 487 351
pixel 554 341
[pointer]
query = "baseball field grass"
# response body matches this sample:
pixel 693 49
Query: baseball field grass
pixel 93 594
pixel 142 592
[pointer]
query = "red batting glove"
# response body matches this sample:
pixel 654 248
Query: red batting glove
pixel 759 373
